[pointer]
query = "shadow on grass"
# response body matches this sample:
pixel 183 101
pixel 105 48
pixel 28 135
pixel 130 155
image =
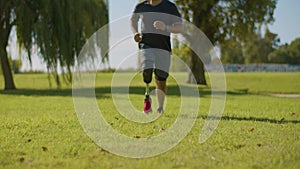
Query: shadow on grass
pixel 254 119
pixel 173 90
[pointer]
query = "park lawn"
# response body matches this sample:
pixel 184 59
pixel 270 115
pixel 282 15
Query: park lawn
pixel 40 129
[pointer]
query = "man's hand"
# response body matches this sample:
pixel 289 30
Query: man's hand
pixel 159 25
pixel 138 37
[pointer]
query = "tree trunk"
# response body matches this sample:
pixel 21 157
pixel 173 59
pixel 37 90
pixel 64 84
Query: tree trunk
pixel 196 75
pixel 6 70
pixel 5 28
pixel 196 65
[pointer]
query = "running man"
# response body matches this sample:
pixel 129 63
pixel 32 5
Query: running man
pixel 159 19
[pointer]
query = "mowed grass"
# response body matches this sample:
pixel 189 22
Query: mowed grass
pixel 39 126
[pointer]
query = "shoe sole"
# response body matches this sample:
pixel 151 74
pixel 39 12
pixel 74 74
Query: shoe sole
pixel 146 112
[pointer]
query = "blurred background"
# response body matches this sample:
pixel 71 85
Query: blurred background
pixel 47 36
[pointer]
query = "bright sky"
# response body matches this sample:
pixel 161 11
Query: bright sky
pixel 287 22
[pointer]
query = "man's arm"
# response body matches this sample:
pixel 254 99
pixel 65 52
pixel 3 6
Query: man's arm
pixel 134 29
pixel 174 28
pixel 134 26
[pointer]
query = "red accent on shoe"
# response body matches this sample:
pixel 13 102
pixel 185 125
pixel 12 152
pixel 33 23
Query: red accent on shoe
pixel 147 105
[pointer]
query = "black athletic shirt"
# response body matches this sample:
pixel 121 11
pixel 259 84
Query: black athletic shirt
pixel 166 12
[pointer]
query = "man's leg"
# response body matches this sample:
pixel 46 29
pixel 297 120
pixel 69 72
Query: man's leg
pixel 162 65
pixel 161 90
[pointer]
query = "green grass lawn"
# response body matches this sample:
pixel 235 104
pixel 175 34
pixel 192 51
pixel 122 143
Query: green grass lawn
pixel 40 129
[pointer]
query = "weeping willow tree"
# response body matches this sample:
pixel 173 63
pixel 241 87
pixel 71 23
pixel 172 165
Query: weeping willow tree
pixel 59 28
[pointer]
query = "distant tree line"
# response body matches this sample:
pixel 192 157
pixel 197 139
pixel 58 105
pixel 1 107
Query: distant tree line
pixel 256 48
pixel 260 49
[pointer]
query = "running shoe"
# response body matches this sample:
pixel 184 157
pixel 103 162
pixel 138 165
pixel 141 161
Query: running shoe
pixel 147 105
pixel 160 110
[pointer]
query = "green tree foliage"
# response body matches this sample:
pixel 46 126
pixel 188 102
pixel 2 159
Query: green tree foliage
pixel 287 54
pixel 58 27
pixel 232 52
pixel 294 49
pixel 182 51
pixel 280 55
pixel 254 50
pixel 225 19
pixel 258 48
pixel 16 65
